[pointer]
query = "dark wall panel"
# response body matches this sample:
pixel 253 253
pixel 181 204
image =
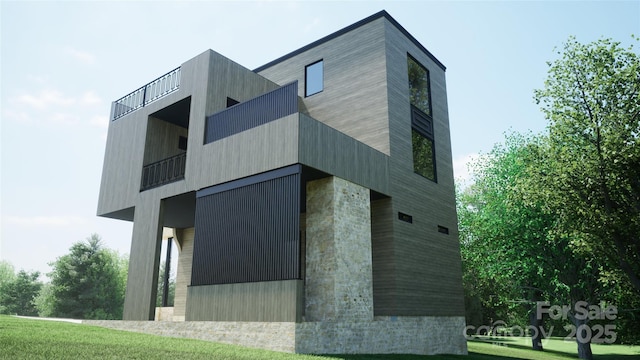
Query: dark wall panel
pixel 255 112
pixel 248 233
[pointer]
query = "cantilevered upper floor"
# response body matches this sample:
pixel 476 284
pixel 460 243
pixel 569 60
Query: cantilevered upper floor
pixel 366 104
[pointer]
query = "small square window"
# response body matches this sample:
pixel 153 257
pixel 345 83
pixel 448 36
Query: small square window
pixel 406 218
pixel 182 143
pixel 313 78
pixel 231 102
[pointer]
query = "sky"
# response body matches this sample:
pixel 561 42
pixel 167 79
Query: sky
pixel 63 63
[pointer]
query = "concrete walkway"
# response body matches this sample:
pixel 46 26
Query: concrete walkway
pixel 75 321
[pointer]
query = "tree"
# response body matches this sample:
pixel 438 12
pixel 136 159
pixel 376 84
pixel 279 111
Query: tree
pixel 504 239
pixel 592 101
pixel 512 243
pixel 45 301
pixel 88 283
pixel 7 272
pixel 17 295
pixel 592 178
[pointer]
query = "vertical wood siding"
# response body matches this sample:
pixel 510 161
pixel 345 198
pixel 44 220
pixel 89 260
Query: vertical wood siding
pixel 252 113
pixel 248 234
pixel 259 301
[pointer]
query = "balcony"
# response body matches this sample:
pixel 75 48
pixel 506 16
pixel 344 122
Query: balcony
pixel 258 111
pixel 162 86
pixel 163 172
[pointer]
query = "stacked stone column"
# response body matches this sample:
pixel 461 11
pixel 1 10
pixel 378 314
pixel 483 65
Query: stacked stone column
pixel 338 252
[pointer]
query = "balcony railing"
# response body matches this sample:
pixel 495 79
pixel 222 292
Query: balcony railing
pixel 153 91
pixel 163 172
pixel 258 111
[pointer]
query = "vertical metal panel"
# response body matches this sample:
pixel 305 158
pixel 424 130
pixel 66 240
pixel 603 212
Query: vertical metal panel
pixel 248 233
pixel 252 113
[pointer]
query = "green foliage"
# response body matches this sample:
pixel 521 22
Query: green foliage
pixel 45 301
pixel 504 238
pixel 7 272
pixel 423 159
pixel 559 214
pixel 592 178
pixel 419 90
pixel 514 250
pixel 17 295
pixel 88 283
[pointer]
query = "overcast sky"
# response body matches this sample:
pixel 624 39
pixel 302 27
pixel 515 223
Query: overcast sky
pixel 63 63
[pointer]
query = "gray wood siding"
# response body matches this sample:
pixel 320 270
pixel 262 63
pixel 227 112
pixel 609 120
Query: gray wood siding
pixel 354 98
pixel 383 257
pixel 208 78
pixel 267 147
pixel 428 267
pixel 333 152
pixel 144 258
pixel 259 301
pixel 162 140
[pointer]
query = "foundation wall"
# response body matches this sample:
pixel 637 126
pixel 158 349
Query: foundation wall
pixel 277 336
pixel 386 335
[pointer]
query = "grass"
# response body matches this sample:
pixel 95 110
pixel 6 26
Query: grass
pixel 36 339
pixel 554 349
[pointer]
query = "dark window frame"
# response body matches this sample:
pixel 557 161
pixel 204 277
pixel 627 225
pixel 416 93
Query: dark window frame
pixel 307 93
pixel 422 123
pixel 428 73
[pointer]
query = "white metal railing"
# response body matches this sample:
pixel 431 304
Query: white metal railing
pixel 153 91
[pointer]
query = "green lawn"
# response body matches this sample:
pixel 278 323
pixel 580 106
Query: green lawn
pixel 555 349
pixel 37 339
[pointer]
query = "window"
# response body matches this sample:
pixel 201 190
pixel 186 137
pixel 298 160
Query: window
pixel 419 87
pixel 182 143
pixel 231 102
pixel 313 78
pixel 424 160
pixel 406 218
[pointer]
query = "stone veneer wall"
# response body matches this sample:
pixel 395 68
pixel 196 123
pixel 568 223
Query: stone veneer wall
pixel 278 336
pixel 339 284
pixel 425 335
pixel 164 313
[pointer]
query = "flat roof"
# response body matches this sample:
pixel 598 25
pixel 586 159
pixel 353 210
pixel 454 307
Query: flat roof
pixel 380 14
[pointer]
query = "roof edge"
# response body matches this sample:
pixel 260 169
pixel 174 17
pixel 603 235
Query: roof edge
pixel 378 15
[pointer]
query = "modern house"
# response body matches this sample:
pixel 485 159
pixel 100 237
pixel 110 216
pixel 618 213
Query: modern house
pixel 315 192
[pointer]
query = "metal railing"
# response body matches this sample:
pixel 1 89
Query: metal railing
pixel 163 172
pixel 153 91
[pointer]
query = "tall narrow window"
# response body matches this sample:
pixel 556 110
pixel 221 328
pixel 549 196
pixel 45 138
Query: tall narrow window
pixel 313 78
pixel 424 159
pixel 419 87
